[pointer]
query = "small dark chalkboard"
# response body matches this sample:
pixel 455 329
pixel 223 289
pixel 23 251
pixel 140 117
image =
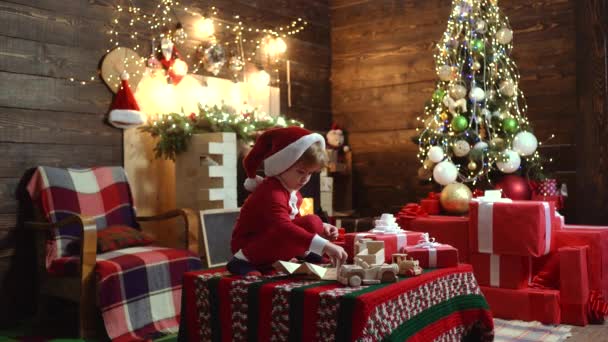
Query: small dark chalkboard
pixel 217 226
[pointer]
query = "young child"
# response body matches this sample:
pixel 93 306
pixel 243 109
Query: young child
pixel 269 227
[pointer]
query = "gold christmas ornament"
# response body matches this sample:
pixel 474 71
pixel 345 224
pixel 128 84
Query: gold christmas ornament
pixel 472 165
pixel 498 144
pixel 455 198
pixel 428 164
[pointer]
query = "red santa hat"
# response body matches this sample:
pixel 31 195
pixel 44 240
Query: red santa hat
pixel 278 149
pixel 124 112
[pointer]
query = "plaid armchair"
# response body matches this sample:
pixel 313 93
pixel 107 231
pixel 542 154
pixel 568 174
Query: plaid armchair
pixel 137 287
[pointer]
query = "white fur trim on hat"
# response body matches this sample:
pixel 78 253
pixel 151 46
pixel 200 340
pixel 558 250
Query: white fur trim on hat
pixel 285 158
pixel 125 118
pixel 252 183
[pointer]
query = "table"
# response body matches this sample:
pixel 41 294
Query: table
pixel 443 304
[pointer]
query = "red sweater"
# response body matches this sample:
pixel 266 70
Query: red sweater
pixel 269 229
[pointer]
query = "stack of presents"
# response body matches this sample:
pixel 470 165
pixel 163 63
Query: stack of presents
pixel 529 264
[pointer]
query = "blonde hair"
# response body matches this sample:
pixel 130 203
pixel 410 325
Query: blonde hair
pixel 314 156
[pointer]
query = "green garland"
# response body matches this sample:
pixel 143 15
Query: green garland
pixel 174 130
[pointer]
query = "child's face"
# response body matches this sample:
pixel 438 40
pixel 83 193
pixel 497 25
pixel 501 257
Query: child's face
pixel 298 175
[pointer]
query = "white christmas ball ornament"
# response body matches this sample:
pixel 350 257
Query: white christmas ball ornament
pixel 482 145
pixel 445 73
pixel 477 94
pixel 481 26
pixel 525 143
pixel 461 148
pixel 507 88
pixel 504 35
pixel 436 154
pixel 458 91
pixel 512 164
pixel 445 173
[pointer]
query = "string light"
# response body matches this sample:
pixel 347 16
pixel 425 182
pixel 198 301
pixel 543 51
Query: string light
pixel 166 18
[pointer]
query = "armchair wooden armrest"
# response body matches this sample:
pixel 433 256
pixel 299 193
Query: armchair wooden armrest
pixel 190 219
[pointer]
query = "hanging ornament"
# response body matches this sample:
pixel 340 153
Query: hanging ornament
pixel 443 116
pixel 472 165
pixel 459 123
pixel 477 94
pixel 166 48
pixel 455 198
pixel 455 107
pixel 214 58
pixel 476 66
pixel 438 95
pixel 507 88
pixel 504 36
pixel 515 187
pixel 485 113
pixel 428 164
pixel 236 64
pixel 481 26
pixel 481 146
pixel 445 73
pixel 461 148
pixel 510 125
pixel 525 143
pixel 436 154
pixel 511 164
pixel 180 34
pixel 445 173
pixel 458 91
pixel 498 144
pixel 478 45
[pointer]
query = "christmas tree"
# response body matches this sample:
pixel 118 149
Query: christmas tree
pixel 475 126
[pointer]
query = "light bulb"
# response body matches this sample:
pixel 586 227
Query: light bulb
pixel 205 28
pixel 279 45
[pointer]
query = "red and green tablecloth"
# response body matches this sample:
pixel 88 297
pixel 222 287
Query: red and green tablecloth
pixel 443 305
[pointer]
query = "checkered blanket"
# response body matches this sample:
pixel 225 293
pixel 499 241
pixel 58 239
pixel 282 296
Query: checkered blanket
pixel 139 288
pixel 441 305
pixel 521 331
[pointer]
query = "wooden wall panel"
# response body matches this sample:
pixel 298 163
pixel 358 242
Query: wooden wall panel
pixel 383 73
pixel 45 119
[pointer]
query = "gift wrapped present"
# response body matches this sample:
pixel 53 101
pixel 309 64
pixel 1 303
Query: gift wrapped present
pixel 597 240
pixel 431 254
pixel 521 228
pixel 430 204
pixel 505 271
pixel 453 230
pixel 574 290
pixel 524 304
pixel 393 243
pixel 408 213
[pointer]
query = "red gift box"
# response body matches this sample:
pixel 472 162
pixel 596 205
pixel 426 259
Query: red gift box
pixel 505 271
pixel 453 230
pixel 597 240
pixel 393 243
pixel 525 304
pixel 511 228
pixel 430 204
pixel 437 256
pixel 574 290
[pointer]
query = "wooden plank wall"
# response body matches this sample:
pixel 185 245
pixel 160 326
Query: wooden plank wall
pixel 46 120
pixel 592 85
pixel 383 72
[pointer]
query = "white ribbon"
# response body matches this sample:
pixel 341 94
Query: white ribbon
pixel 429 243
pixel 494 270
pixel 548 221
pixel 485 227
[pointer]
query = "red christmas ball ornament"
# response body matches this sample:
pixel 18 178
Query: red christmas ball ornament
pixel 515 187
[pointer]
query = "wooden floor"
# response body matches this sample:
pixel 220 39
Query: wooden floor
pixel 595 333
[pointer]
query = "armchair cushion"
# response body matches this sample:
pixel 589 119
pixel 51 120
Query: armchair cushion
pixel 117 237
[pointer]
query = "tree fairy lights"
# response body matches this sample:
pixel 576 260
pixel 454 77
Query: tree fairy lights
pixel 475 123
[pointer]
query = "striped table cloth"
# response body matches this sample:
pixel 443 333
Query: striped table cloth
pixel 444 305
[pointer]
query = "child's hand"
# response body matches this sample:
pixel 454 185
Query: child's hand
pixel 336 254
pixel 330 232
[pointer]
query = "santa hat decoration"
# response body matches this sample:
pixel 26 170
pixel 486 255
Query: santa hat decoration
pixel 278 149
pixel 124 112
